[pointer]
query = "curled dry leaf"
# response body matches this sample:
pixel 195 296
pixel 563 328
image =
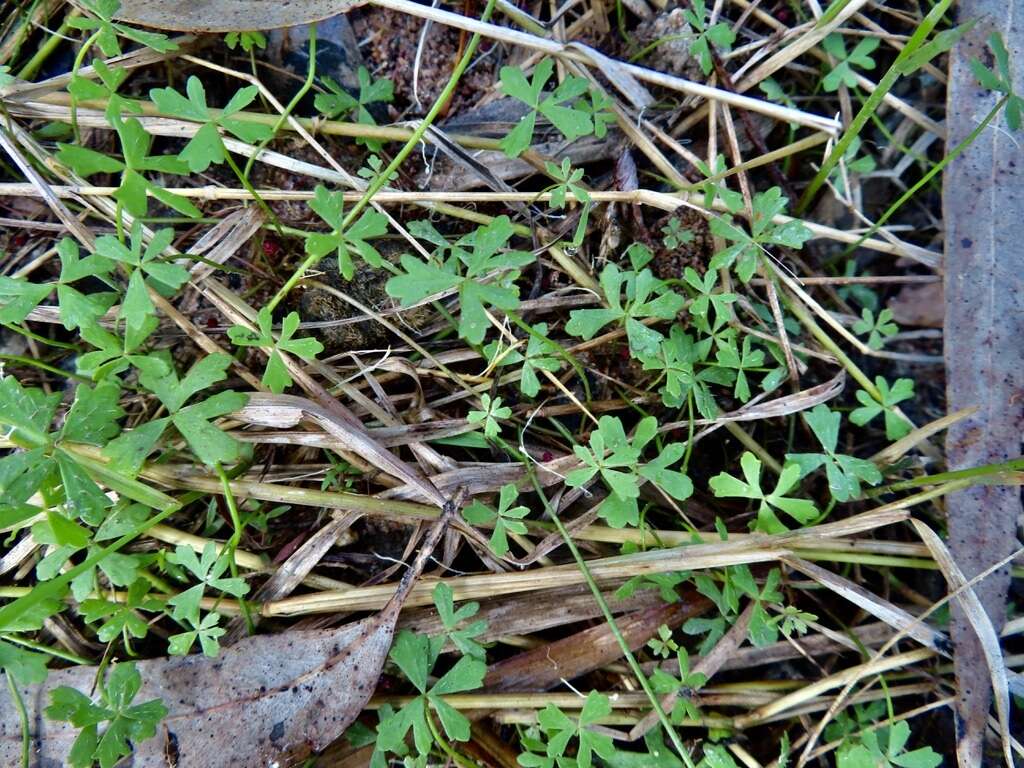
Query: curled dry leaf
pixel 897 618
pixel 920 305
pixel 229 15
pixel 388 437
pixel 981 625
pixel 510 615
pixel 780 406
pixel 286 411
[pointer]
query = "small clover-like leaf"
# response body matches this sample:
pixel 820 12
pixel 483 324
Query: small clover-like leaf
pixel 478 264
pixel 211 445
pixel 568 181
pixel 161 379
pixel 843 73
pixel 558 107
pixel 135 188
pixel 507 519
pixel 801 510
pixel 276 375
pixel 207 147
pixel 25 667
pixel 343 241
pixel 249 41
pixel 896 426
pixel 645 298
pixel 492 412
pixel 93 415
pixel 877 329
pixel 127 723
pixel 844 473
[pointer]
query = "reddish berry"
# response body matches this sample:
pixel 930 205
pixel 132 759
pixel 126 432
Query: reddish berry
pixel 547 456
pixel 271 247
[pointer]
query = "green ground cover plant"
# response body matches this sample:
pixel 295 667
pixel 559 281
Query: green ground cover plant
pixel 590 392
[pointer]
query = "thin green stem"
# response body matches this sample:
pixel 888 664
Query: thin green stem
pixel 19 705
pixel 831 12
pixel 874 100
pixel 77 65
pixel 57 653
pixel 30 361
pixel 46 50
pixel 689 434
pixel 244 179
pixel 21 330
pixel 233 542
pixel 119 219
pixel 971 473
pixel 610 620
pixel 748 442
pixel 935 170
pixel 826 341
pixel 658 43
pixel 560 352
pixel 283 118
pixel 378 183
pixel 442 742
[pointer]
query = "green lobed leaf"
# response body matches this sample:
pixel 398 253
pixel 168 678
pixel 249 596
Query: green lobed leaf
pixel 94 414
pixel 210 444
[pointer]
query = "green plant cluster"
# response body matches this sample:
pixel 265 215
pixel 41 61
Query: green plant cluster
pixel 76 477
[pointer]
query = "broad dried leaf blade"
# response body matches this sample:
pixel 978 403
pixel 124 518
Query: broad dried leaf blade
pixel 544 667
pixel 984 356
pixel 229 15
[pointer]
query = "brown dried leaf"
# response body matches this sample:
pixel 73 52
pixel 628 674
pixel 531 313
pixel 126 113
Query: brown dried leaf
pixel 920 305
pixel 262 700
pixel 229 15
pixel 551 608
pixel 266 700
